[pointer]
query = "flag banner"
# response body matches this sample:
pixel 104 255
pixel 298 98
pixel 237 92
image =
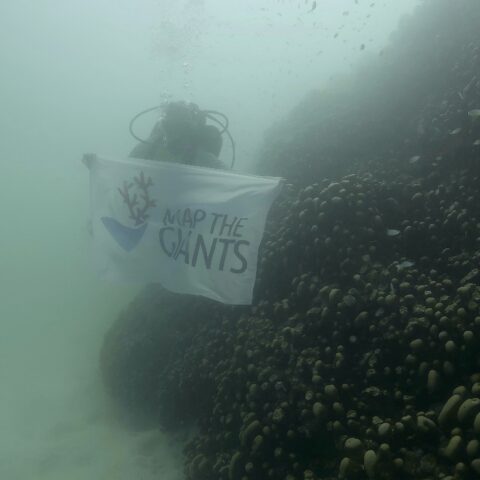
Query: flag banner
pixel 194 230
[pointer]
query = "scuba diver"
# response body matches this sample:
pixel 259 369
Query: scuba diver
pixel 183 136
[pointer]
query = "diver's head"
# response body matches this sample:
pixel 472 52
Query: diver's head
pixel 182 124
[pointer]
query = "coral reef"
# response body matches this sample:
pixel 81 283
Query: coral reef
pixel 360 357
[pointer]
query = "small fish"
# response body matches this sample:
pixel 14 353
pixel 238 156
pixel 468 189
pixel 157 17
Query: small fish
pixel 391 232
pixel 476 143
pixel 475 113
pixel 406 264
pixel 456 131
pixel 314 6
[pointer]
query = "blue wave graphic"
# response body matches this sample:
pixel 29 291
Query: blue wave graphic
pixel 127 237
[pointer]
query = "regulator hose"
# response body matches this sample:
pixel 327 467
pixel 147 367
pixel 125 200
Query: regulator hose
pixel 134 119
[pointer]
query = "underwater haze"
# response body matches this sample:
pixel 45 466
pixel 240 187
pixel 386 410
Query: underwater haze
pixel 73 75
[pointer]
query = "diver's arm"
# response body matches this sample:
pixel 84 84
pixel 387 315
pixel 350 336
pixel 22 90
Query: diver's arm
pixel 142 150
pixel 147 149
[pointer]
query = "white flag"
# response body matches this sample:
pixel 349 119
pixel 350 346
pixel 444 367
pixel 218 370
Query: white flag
pixel 194 230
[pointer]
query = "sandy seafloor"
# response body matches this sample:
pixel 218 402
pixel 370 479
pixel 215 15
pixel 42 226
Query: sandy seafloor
pixel 56 423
